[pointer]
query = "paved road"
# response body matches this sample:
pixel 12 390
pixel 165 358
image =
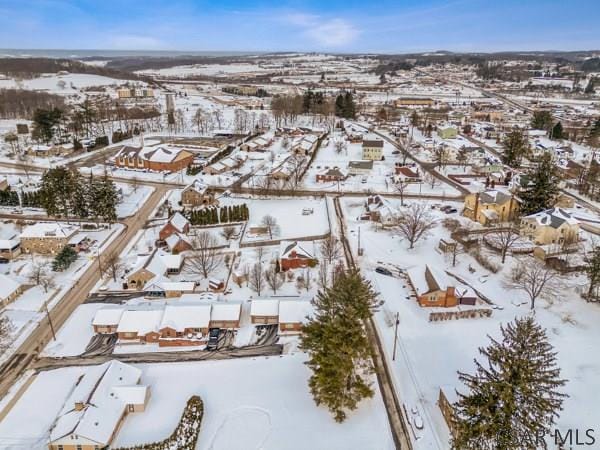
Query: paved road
pixel 384 379
pixel 29 350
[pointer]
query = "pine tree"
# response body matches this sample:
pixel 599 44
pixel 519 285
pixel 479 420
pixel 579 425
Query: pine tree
pixel 338 348
pixel 64 259
pixel 557 131
pixel 592 270
pixel 543 187
pixel 542 120
pixel 513 398
pixel 515 147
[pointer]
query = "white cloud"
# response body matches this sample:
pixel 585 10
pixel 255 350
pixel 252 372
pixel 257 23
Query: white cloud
pixel 332 33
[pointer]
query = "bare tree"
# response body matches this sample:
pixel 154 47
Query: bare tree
pixel 6 328
pixel 256 277
pixel 401 186
pixel 340 146
pixel 112 266
pixel 274 278
pixel 324 276
pixel 330 248
pixel 534 279
pixel 431 180
pixel 415 223
pixel 505 239
pixel 135 183
pixel 228 232
pixel 41 275
pixel 205 258
pixel 270 223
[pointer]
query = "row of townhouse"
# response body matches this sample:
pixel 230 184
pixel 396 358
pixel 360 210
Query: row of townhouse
pixel 156 158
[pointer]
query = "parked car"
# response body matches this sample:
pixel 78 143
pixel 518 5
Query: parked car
pixel 418 421
pixel 307 211
pixel 3 261
pixel 396 152
pixel 451 211
pixel 383 271
pixel 213 339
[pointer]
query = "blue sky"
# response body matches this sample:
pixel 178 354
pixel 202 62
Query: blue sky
pixel 340 26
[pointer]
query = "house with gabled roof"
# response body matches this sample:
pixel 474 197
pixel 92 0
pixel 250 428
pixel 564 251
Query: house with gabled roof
pixel 491 206
pixel 97 406
pixel 434 288
pixel 294 255
pixel 176 224
pixel 552 226
pixel 158 158
pixel 156 264
pixel 197 194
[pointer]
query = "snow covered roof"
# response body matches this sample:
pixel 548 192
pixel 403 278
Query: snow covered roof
pixel 7 286
pixel 428 279
pixel 294 311
pixel 7 244
pixel 286 248
pixel 197 186
pixel 179 221
pixel 265 307
pixel 225 311
pixel 140 321
pixel 180 317
pixel 493 196
pixel 107 316
pixel 48 229
pixel 102 406
pixel 553 217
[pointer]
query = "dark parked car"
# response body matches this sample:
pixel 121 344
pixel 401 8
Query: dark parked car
pixel 213 339
pixel 383 271
pixel 451 210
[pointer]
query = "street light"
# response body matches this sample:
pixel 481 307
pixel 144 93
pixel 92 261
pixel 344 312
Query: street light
pixel 396 335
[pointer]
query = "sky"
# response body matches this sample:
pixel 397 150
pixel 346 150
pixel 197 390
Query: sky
pixel 328 25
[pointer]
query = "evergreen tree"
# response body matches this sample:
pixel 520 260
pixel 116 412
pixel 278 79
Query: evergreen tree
pixel 592 270
pixel 338 348
pixel 513 398
pixel 557 131
pixel 64 259
pixel 593 137
pixel 542 120
pixel 543 187
pixel 515 148
pixel 57 188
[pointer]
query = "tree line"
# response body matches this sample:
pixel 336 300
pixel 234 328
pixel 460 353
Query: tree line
pixel 66 193
pixel 20 103
pixel 216 215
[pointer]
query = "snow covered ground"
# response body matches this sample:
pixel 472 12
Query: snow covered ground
pixel 430 354
pixel 132 198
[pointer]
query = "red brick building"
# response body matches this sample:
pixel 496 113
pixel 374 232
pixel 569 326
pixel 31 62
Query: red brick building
pixel 294 256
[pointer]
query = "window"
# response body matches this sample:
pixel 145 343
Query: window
pixel 79 447
pixel 60 447
pixel 130 408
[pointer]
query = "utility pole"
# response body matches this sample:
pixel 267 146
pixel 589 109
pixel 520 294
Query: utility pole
pixel 50 320
pixel 396 335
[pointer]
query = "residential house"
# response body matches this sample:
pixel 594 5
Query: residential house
pixel 413 101
pixel 97 406
pixel 490 207
pixel 177 243
pixel 406 174
pixel 10 289
pixel 293 314
pixel 434 288
pixel 106 320
pixel 360 167
pixel 161 287
pixel 184 324
pixel 225 315
pixel 264 311
pixel 140 325
pixel 293 255
pixel 197 194
pixel 372 150
pixel 10 248
pixel 305 145
pixel 176 224
pixel 46 237
pixel 158 158
pixel 380 209
pixel 331 175
pixel 258 144
pixel 447 132
pixel 552 226
pixel 153 265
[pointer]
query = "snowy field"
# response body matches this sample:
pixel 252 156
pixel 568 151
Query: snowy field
pixel 50 83
pixel 430 354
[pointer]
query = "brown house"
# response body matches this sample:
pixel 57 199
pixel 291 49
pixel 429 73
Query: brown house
pixel 197 194
pixel 46 237
pixel 433 288
pixel 292 255
pixel 176 224
pixel 264 312
pixel 158 158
